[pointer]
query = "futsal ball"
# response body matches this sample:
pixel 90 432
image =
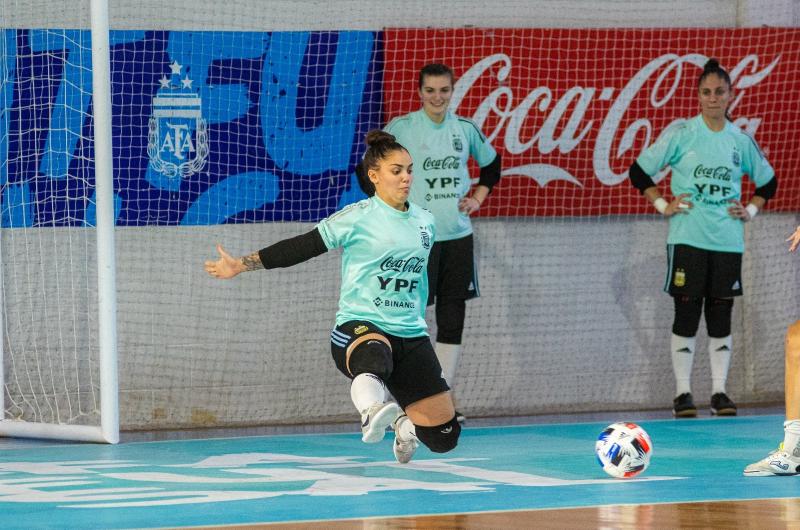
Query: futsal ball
pixel 623 450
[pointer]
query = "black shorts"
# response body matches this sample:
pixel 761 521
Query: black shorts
pixel 452 271
pixel 416 373
pixel 699 273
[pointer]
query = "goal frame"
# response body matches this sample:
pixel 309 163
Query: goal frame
pixel 108 430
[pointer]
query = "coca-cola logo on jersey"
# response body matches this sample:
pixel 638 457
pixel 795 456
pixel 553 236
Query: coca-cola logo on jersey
pixel 412 264
pixel 719 173
pixel 565 126
pixel 448 162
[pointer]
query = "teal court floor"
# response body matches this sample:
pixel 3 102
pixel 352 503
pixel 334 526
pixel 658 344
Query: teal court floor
pixel 324 477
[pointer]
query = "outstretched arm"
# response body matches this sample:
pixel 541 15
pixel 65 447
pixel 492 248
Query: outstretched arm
pixel 227 266
pixel 282 254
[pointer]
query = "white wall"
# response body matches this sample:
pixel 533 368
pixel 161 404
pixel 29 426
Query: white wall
pixel 268 15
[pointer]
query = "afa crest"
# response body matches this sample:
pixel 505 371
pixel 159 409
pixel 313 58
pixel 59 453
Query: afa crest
pixel 736 158
pixel 425 237
pixel 458 146
pixel 680 278
pixel 177 138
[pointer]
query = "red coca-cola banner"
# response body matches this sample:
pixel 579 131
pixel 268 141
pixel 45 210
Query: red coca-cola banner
pixel 571 109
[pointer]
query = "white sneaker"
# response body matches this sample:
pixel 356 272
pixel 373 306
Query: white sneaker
pixel 375 420
pixel 778 462
pixel 403 449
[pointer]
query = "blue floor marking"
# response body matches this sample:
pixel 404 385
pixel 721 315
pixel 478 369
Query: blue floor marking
pixel 335 476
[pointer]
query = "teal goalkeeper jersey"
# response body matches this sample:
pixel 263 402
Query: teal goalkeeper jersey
pixel 384 264
pixel 709 166
pixel 440 152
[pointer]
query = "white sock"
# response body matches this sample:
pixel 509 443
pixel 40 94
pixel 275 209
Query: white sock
pixel 682 350
pixel 366 390
pixel 448 358
pixel 405 429
pixel 719 353
pixel 791 437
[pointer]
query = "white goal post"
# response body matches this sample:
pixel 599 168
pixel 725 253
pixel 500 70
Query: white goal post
pixel 78 399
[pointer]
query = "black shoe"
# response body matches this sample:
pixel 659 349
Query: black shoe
pixel 460 418
pixel 721 405
pixel 683 406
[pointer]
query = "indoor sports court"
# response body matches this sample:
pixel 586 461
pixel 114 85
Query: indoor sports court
pixel 540 475
pixel 150 150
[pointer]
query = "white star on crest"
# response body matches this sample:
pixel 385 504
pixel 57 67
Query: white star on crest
pixel 175 67
pixel 186 82
pixel 164 82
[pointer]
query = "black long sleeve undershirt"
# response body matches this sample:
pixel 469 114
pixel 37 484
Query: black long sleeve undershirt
pixel 490 174
pixel 640 180
pixel 767 191
pixel 292 251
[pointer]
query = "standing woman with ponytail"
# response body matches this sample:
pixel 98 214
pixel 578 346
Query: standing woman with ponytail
pixel 708 156
pixel 441 143
pixel 380 340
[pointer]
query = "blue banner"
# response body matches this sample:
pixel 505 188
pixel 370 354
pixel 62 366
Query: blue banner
pixel 208 127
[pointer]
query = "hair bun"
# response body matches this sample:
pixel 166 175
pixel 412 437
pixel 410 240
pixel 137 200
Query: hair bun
pixel 378 136
pixel 711 64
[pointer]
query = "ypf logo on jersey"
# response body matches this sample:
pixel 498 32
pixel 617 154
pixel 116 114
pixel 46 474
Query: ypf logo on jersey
pixel 177 139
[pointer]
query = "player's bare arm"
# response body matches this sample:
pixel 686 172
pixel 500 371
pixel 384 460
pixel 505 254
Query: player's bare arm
pixel 285 253
pixel 738 210
pixel 226 266
pixel 794 239
pixel 252 262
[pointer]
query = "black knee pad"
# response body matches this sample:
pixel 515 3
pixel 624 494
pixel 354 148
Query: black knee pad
pixel 718 317
pixel 440 439
pixel 450 313
pixel 687 315
pixel 371 357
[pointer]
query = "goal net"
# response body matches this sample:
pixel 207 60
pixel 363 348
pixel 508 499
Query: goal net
pixel 56 250
pixel 241 123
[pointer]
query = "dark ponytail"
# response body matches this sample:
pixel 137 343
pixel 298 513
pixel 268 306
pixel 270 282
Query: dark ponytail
pixel 379 145
pixel 712 67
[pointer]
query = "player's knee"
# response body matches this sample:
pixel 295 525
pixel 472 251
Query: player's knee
pixel 441 438
pixel 450 314
pixel 371 357
pixel 687 315
pixel 718 316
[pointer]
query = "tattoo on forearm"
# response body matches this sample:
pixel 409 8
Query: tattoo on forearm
pixel 252 262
